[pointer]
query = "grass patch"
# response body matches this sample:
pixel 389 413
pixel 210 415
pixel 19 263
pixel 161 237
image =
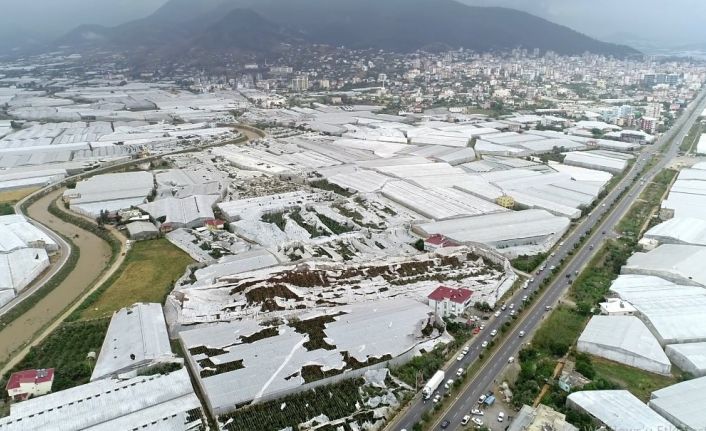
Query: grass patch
pixel 527 263
pixel 325 185
pixel 687 145
pixel 631 225
pixel 276 218
pixel 6 208
pixel 65 349
pixel 559 332
pixel 14 196
pixel 641 383
pixel 334 226
pixel 147 275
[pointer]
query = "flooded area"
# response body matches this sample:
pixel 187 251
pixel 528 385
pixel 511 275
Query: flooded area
pixel 95 255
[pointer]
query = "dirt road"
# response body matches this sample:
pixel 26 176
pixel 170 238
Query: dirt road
pixel 95 255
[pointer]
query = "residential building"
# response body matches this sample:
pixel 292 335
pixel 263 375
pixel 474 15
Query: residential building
pixel 447 301
pixel 26 384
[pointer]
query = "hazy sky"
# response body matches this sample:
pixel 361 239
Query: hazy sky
pixel 670 22
pixel 51 18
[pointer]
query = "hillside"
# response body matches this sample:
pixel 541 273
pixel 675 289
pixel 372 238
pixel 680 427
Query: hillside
pixel 395 25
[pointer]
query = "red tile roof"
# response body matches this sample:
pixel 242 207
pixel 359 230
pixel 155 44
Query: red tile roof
pixel 459 296
pixel 440 241
pixel 30 376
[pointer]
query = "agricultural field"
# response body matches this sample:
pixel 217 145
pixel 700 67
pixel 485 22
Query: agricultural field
pixel 65 349
pixel 147 275
pixel 349 404
pixel 9 198
pixel 639 382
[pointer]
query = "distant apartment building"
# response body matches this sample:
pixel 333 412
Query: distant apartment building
pixel 649 124
pixel 300 83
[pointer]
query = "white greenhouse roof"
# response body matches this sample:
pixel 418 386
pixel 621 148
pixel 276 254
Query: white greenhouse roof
pixel 496 228
pixel 145 402
pixel 673 312
pixel 682 264
pixel 137 335
pixel 619 410
pixel 273 364
pixel 689 357
pixel 680 230
pixel 683 404
pixel 624 339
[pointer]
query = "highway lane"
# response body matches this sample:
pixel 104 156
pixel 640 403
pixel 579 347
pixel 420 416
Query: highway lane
pixel 614 206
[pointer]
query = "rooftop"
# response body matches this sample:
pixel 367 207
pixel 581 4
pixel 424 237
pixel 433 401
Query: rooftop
pixel 442 293
pixel 29 376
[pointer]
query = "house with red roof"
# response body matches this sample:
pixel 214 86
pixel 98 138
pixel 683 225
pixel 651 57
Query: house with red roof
pixel 447 301
pixel 437 241
pixel 26 384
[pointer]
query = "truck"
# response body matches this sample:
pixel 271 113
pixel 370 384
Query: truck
pixel 433 384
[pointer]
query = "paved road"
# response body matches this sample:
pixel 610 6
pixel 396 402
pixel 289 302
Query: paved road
pixel 614 207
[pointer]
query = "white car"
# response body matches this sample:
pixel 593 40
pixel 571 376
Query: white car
pixel 512 306
pixel 494 332
pixel 481 327
pixel 466 350
pixel 525 298
pixel 465 420
pixel 522 334
pixel 503 307
pixel 482 398
pixel 459 372
pixel 497 314
pixel 478 421
pixel 459 357
pixel 477 412
pixel 511 359
pixel 437 398
pixel 484 344
pixel 501 417
pixel 448 384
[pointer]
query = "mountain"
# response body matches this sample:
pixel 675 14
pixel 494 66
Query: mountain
pixel 396 25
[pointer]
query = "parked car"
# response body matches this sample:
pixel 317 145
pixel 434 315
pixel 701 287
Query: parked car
pixel 437 398
pixel 484 344
pixel 459 372
pixel 477 412
pixel 448 384
pixel 481 398
pixel 465 420
pixel 497 314
pixel 494 332
pixel 478 421
pixel 459 357
pixel 501 417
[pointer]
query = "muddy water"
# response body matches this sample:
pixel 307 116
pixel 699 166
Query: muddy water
pixel 95 255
